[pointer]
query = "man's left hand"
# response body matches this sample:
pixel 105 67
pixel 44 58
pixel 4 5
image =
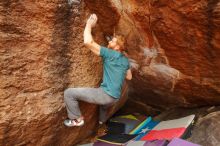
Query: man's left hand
pixel 92 20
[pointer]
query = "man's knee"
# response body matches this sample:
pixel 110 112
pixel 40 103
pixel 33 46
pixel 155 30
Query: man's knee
pixel 68 93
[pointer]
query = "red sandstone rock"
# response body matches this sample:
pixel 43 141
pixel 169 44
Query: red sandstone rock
pixel 41 54
pixel 175 50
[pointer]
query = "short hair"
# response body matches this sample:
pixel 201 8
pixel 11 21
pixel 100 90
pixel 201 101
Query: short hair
pixel 121 42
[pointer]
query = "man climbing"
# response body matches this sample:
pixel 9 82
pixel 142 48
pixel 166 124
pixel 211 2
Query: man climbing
pixel 116 69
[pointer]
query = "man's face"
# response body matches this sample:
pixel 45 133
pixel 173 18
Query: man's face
pixel 112 44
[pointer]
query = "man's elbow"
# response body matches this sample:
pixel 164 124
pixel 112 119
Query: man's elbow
pixel 129 77
pixel 87 43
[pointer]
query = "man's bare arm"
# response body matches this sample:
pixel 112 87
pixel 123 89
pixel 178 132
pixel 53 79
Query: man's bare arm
pixel 129 74
pixel 88 39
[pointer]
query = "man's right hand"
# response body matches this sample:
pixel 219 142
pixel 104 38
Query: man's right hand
pixel 92 20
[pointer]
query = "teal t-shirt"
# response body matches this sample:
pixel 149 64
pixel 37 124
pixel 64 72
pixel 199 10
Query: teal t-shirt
pixel 115 66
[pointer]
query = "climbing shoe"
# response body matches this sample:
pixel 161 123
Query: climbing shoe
pixel 100 122
pixel 73 122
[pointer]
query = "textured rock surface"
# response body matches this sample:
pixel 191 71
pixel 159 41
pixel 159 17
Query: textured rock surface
pixel 41 54
pixel 174 48
pixel 206 131
pixel 187 59
pixel 173 45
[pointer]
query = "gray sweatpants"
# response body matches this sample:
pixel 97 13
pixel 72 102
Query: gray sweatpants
pixel 90 95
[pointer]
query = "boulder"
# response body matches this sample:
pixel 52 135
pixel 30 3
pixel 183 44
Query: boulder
pixel 206 130
pixel 42 54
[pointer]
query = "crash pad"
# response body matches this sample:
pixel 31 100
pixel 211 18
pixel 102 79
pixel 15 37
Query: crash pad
pixel 100 143
pixel 181 142
pixel 128 117
pixel 115 127
pixel 118 139
pixel 148 143
pixel 146 129
pixel 143 124
pixel 129 123
pixel 169 129
pixel 132 143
